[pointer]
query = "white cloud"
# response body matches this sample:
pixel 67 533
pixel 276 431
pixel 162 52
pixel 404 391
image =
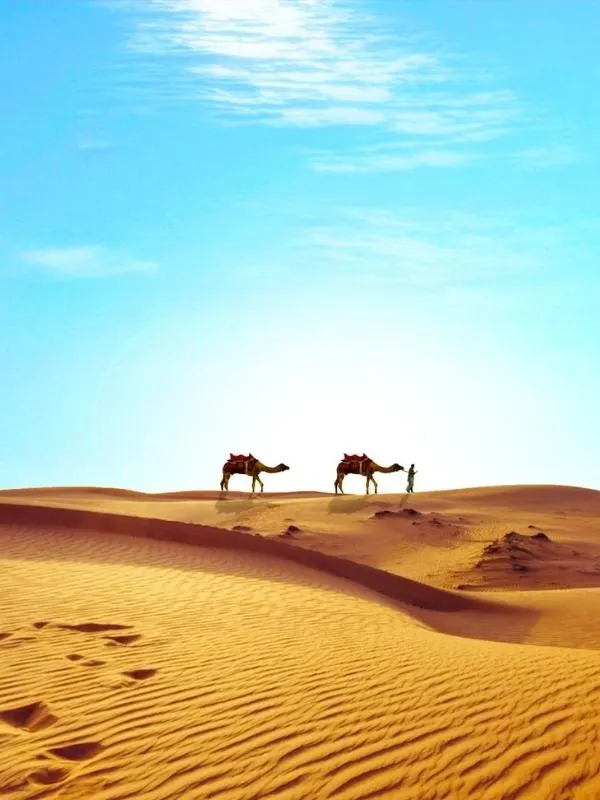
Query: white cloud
pixel 328 63
pixel 92 143
pixel 433 251
pixel 392 162
pixel 547 157
pixel 459 122
pixel 317 63
pixel 84 262
pixel 338 115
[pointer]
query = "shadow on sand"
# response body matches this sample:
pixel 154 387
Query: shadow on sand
pixel 225 505
pixel 349 504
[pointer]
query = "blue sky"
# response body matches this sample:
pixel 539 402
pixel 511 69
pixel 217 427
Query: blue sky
pixel 299 229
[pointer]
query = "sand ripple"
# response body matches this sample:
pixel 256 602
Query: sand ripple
pixel 204 672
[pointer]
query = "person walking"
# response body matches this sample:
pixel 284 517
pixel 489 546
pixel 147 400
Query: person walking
pixel 411 478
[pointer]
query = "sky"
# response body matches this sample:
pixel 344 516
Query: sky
pixel 299 228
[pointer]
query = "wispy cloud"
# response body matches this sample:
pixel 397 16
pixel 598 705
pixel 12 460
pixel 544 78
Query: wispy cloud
pixel 430 251
pixel 84 262
pixel 92 143
pixel 391 161
pixel 316 63
pixel 547 157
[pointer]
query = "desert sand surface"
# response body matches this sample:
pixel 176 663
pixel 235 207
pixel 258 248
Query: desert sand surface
pixel 300 645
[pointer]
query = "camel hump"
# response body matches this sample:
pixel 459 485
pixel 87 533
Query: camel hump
pixel 364 457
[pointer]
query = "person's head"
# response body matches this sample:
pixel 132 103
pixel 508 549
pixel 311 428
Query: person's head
pixel 412 466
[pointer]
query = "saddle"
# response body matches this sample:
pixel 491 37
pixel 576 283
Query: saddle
pixel 242 460
pixel 358 458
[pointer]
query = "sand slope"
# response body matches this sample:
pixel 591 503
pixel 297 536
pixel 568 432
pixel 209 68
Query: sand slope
pixel 237 665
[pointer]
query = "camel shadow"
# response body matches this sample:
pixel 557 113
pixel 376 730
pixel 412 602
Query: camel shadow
pixel 227 506
pixel 350 504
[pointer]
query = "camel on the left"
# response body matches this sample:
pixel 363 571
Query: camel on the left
pixel 247 465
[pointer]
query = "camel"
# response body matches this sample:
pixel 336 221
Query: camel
pixel 247 465
pixel 361 465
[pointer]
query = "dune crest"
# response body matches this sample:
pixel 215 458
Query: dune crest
pixel 387 584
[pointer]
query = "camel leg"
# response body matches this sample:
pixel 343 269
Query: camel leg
pixel 369 479
pixel 225 482
pixel 338 483
pixel 262 486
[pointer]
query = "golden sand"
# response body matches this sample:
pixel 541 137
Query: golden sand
pixel 149 650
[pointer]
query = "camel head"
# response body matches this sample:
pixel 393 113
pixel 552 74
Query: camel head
pixel 282 467
pixel 397 468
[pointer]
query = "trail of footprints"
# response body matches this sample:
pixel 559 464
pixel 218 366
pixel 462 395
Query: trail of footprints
pixel 33 717
pixel 113 639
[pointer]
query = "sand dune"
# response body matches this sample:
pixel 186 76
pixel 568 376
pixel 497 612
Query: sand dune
pixel 321 650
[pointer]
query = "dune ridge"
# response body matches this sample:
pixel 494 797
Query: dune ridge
pixel 385 583
pixel 534 495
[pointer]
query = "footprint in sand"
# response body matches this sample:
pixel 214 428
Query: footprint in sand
pixel 122 640
pixel 130 677
pixel 94 627
pixel 140 674
pixel 56 773
pixel 80 751
pixel 91 627
pixel 101 627
pixel 9 640
pixel 46 776
pixel 32 717
pixel 84 661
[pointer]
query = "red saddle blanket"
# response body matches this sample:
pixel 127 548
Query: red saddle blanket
pixel 348 458
pixel 241 460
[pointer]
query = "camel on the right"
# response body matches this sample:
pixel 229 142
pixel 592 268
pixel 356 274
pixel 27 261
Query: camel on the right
pixel 361 465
